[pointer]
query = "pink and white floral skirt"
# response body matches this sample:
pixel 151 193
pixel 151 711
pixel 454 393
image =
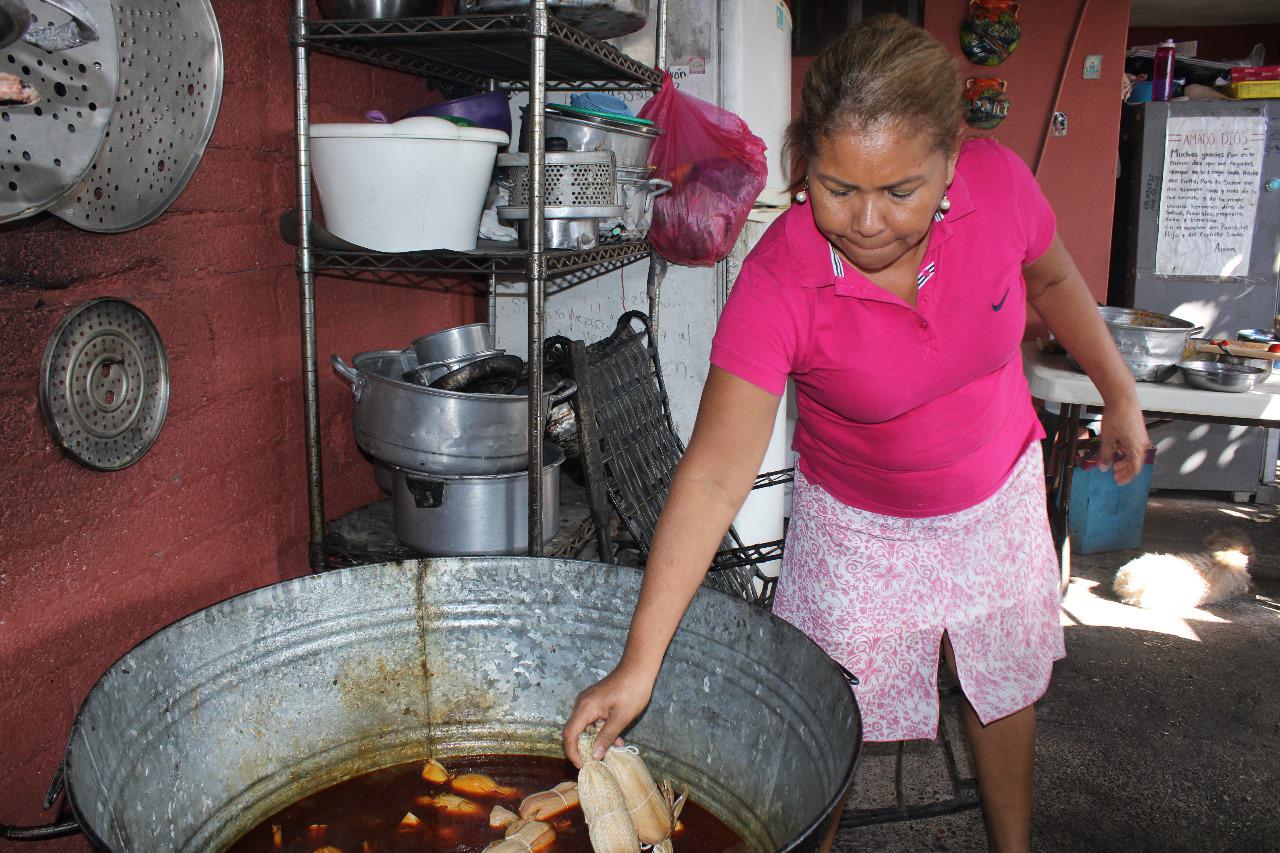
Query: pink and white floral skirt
pixel 876 592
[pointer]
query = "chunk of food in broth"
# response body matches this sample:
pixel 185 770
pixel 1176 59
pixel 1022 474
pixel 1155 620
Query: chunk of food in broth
pixel 435 772
pixel 480 785
pixel 452 805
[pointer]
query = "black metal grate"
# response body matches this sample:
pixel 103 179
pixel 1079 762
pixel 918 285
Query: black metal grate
pixel 489 257
pixel 470 50
pixel 639 451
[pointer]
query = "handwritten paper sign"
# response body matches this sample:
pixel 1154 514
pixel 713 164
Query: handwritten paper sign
pixel 1212 171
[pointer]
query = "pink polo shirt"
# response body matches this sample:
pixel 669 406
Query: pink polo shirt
pixel 901 411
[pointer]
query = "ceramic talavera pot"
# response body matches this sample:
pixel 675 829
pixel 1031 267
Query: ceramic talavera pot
pixel 990 32
pixel 985 102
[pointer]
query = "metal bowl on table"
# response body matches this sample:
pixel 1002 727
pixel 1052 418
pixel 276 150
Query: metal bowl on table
pixel 1150 344
pixel 1220 376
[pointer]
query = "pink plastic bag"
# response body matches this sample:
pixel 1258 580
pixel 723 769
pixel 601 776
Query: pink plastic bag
pixel 717 169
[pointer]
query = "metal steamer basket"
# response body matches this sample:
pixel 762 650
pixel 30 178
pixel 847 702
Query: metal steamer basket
pixel 580 189
pixel 258 701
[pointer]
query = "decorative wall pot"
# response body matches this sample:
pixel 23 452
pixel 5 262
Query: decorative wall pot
pixel 985 102
pixel 990 32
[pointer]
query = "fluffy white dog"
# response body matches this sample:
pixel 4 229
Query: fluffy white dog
pixel 1179 581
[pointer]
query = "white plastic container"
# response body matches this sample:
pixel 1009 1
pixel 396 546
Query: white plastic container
pixel 418 183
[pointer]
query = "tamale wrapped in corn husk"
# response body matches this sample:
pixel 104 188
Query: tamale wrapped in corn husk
pixel 524 836
pixel 501 818
pixel 608 822
pixel 653 809
pixel 545 805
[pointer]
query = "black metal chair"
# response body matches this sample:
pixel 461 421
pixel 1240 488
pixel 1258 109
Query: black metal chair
pixel 629 452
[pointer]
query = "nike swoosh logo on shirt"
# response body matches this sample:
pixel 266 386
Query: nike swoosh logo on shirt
pixel 996 306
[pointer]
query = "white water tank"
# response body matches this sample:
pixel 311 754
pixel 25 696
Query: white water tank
pixel 755 77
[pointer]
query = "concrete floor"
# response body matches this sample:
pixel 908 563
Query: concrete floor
pixel 1160 731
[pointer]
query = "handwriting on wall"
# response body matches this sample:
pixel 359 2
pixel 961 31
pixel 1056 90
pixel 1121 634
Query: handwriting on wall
pixel 1209 198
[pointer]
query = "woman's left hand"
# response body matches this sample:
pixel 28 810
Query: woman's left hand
pixel 1124 442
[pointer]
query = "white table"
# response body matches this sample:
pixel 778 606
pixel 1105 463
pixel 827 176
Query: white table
pixel 1051 379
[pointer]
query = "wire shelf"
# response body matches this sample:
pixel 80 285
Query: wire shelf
pixel 491 257
pixel 470 50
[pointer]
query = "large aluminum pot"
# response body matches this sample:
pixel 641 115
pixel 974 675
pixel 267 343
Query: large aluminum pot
pixel 214 723
pixel 1151 344
pixel 472 516
pixel 630 142
pixel 433 431
pixel 604 19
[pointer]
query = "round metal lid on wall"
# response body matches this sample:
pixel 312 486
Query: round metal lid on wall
pixel 168 96
pixel 104 384
pixel 49 146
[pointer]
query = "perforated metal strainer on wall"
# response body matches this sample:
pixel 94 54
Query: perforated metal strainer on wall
pixel 48 147
pixel 169 90
pixel 104 384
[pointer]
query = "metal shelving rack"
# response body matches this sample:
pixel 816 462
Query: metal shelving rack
pixel 519 52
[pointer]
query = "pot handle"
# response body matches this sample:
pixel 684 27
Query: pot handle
pixel 39 833
pixel 350 374
pixel 565 389
pixel 427 494
pixel 1196 332
pixel 848 676
pixel 49 830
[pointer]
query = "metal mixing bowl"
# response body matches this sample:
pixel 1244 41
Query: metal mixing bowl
pixel 1219 376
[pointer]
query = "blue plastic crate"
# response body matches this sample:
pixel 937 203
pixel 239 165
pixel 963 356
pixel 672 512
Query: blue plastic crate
pixel 1104 516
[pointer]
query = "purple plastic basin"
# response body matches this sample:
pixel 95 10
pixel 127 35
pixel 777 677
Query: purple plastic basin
pixel 489 109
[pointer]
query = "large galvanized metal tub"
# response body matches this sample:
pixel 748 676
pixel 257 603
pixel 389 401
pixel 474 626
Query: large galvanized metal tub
pixel 221 719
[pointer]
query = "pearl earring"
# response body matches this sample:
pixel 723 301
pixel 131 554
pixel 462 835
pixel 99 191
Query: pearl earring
pixel 802 194
pixel 944 204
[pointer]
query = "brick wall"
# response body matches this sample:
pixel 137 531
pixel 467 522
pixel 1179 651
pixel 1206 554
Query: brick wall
pixel 91 562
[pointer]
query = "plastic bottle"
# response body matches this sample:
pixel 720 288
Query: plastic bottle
pixel 1162 74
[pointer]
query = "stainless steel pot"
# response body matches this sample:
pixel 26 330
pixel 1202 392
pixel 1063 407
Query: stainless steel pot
pixel 1151 344
pixel 433 431
pixel 453 343
pixel 630 143
pixel 604 19
pixel 463 516
pixel 576 234
pixel 214 723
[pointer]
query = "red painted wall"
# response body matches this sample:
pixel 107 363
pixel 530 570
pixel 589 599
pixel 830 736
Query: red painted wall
pixel 1077 171
pixel 91 563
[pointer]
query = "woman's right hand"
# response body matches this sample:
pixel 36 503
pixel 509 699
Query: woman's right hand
pixel 611 704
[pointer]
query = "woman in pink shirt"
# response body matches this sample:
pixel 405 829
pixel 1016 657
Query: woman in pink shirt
pixel 893 294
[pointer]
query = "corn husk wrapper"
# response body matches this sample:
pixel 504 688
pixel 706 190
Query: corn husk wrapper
pixel 545 805
pixel 608 822
pixel 501 818
pixel 653 808
pixel 524 836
